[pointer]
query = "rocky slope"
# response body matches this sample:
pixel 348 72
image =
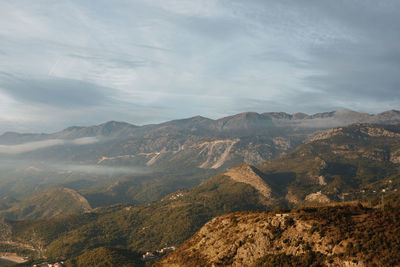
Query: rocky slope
pixel 336 164
pixel 247 174
pixel 327 236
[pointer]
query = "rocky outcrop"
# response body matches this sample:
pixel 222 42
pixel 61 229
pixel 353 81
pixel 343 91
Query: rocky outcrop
pixel 282 143
pixel 326 134
pixel 245 173
pixel 317 197
pixel 379 132
pixel 363 130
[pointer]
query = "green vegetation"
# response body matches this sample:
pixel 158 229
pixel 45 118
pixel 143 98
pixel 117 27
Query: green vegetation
pixel 6 263
pixel 139 228
pixel 19 250
pixel 106 257
pixel 49 203
pixel 145 188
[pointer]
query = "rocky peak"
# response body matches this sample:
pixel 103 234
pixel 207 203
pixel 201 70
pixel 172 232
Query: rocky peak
pixel 247 174
pixel 277 115
pixel 299 116
pixel 388 115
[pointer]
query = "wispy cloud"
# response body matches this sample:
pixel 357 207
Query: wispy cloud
pixel 98 169
pixel 159 55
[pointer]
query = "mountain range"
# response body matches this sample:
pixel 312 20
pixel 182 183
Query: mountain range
pixel 358 162
pixel 118 162
pixel 125 189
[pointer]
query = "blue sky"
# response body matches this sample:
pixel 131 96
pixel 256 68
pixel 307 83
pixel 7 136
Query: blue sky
pixel 84 62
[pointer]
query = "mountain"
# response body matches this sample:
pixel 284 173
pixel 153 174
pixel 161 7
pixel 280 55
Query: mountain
pixel 111 129
pixel 339 235
pixel 358 162
pixel 338 164
pixel 148 162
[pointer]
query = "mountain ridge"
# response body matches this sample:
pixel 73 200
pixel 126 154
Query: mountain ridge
pixel 388 115
pixel 49 203
pixel 115 151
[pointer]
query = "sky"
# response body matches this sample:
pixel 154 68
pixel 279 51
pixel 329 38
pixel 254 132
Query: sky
pixel 82 62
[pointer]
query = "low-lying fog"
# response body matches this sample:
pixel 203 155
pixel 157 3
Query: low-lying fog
pixel 31 146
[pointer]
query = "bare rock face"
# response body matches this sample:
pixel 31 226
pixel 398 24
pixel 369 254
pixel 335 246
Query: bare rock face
pixel 326 134
pixel 216 152
pixel 282 143
pixel 317 197
pixel 244 173
pixel 378 132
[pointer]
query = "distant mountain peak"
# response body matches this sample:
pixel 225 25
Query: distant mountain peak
pixel 277 115
pixel 299 116
pixel 249 116
pixel 198 117
pixel 389 115
pixel 116 124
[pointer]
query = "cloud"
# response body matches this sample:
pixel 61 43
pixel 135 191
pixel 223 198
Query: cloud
pixel 98 169
pixel 31 146
pixel 7 165
pixel 148 61
pixel 53 91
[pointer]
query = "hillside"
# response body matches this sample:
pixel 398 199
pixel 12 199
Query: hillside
pixel 341 235
pixel 247 174
pixel 163 223
pixel 355 162
pixel 106 257
pixel 49 203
